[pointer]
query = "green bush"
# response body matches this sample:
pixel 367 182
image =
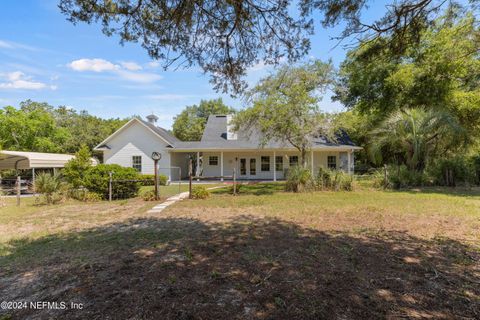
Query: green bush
pixel 458 170
pixel 200 192
pixel 402 177
pixel 148 195
pixel 50 186
pixel 75 169
pixel 82 194
pixel 333 180
pixel 125 181
pixel 149 179
pixel 299 179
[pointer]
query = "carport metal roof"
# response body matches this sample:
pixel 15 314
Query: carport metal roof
pixel 31 160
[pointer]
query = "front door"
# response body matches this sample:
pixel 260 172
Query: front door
pixel 248 168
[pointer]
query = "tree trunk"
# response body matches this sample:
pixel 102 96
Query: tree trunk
pixel 304 157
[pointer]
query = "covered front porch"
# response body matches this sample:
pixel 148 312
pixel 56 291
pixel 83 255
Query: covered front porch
pixel 261 164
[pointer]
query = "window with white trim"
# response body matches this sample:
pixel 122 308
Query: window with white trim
pixel 137 163
pixel 332 162
pixel 213 160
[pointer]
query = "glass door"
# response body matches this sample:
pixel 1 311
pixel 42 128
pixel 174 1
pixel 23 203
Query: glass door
pixel 243 167
pixel 253 166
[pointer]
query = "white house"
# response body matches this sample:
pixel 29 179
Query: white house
pixel 220 151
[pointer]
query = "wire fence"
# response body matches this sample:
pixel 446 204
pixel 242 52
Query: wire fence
pixel 15 187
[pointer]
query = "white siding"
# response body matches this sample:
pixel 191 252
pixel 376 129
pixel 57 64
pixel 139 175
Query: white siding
pixel 137 140
pixel 232 159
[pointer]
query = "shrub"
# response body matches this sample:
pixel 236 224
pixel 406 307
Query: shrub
pixel 402 177
pixel 75 169
pixel 82 194
pixel 149 179
pixel 125 181
pixel 149 195
pixel 299 179
pixel 200 192
pixel 334 180
pixel 50 186
pixel 453 171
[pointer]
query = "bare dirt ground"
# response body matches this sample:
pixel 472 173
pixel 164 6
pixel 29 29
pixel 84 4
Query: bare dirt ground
pixel 246 259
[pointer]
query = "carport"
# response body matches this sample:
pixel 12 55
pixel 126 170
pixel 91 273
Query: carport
pixel 23 160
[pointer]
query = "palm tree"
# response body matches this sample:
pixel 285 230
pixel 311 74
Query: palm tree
pixel 414 135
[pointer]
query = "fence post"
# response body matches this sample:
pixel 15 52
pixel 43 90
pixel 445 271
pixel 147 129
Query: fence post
pixel 110 186
pixel 155 168
pixel 19 182
pixel 190 179
pixel 234 181
pixel 179 179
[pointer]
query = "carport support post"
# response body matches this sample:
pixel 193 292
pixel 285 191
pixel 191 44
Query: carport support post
pixel 234 181
pixel 18 189
pixel 311 160
pixel 33 180
pixel 221 165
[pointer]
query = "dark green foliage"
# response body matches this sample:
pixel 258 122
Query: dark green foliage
pixel 399 177
pixel 149 179
pixel 454 171
pixel 125 181
pixel 200 192
pixel 190 123
pixel 40 127
pixel 75 169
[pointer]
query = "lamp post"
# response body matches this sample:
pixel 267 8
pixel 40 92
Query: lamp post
pixel 156 156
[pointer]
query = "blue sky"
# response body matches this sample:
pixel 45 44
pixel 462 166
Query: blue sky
pixel 45 58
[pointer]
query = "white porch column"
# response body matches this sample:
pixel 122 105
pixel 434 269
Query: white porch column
pixel 197 172
pixel 221 165
pixel 311 161
pixel 349 161
pixel 274 167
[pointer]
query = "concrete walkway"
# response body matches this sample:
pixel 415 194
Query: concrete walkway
pixel 184 195
pixel 159 207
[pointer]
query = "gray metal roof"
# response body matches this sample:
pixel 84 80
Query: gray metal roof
pixel 215 137
pixel 162 132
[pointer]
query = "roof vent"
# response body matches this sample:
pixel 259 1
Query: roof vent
pixel 152 118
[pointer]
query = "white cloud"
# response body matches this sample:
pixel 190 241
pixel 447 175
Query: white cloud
pixel 130 65
pixel 18 80
pixel 141 77
pixel 96 65
pixel 125 70
pixel 5 44
pixel 166 97
pixel 154 64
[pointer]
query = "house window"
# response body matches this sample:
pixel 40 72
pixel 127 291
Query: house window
pixel 253 166
pixel 293 161
pixel 137 163
pixel 332 162
pixel 279 163
pixel 213 160
pixel 265 163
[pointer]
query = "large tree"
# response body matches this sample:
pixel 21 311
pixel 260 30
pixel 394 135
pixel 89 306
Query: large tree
pixel 225 38
pixel 441 73
pixel 41 127
pixel 190 123
pixel 285 106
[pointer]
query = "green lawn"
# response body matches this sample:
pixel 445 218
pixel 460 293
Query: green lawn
pixel 264 253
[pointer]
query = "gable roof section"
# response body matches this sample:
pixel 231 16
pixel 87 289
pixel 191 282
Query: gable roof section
pixel 159 132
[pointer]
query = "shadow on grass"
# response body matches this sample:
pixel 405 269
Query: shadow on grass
pixel 249 268
pixel 257 189
pixel 451 191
